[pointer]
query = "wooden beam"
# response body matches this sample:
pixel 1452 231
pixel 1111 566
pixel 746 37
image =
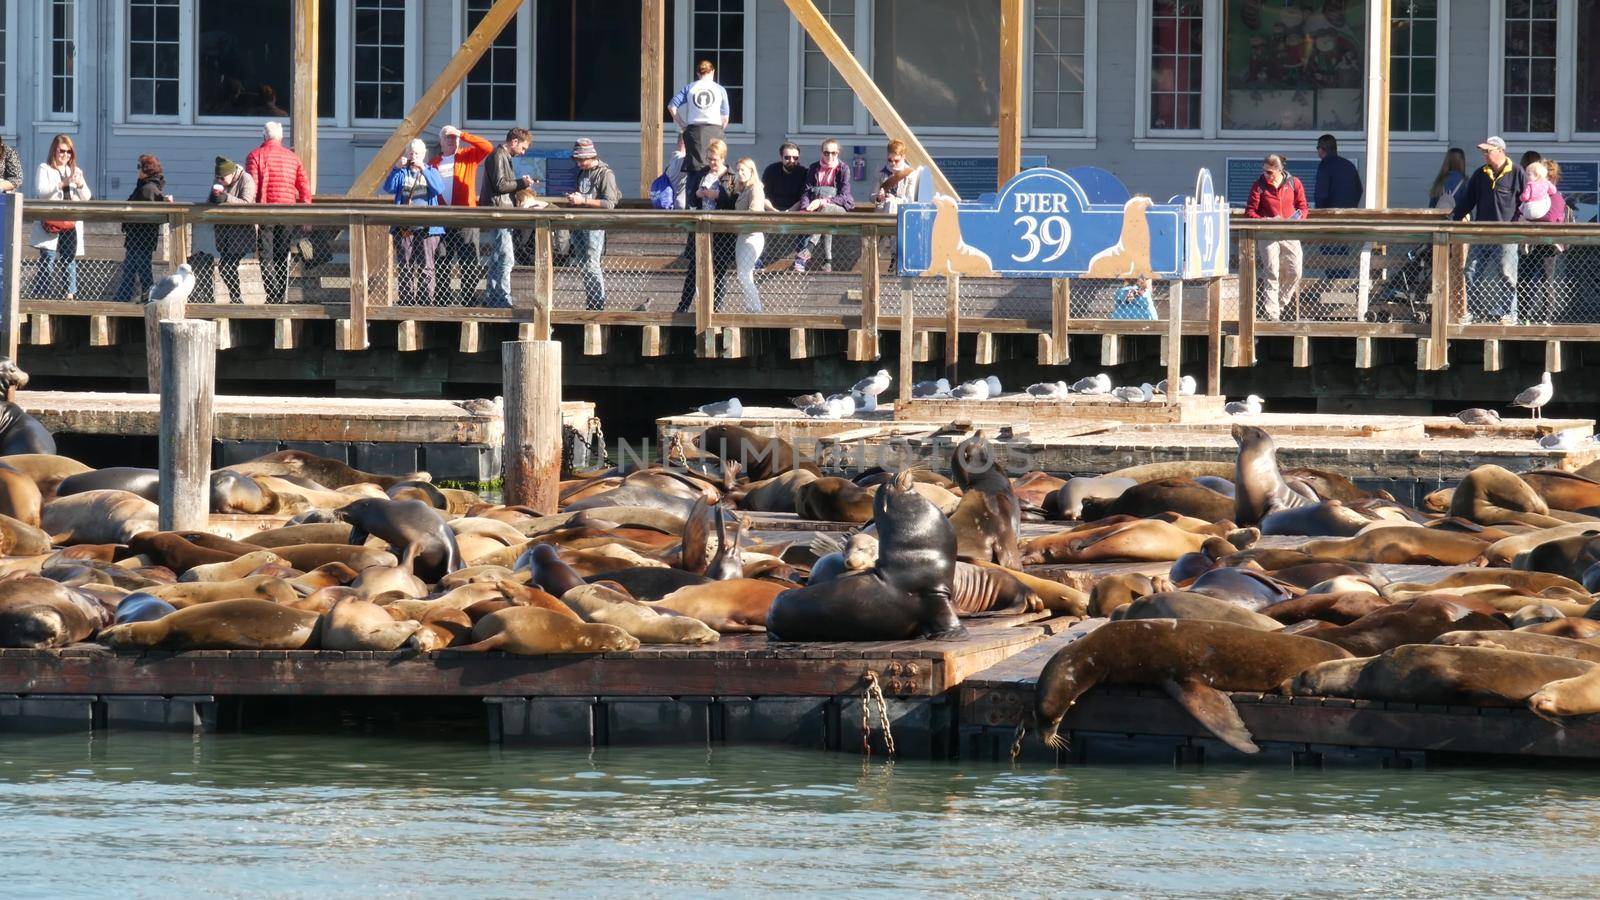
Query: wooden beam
pixel 1011 47
pixel 359 283
pixel 1214 338
pixel 544 279
pixel 433 99
pixel 871 298
pixel 650 341
pixel 1247 303
pixel 854 74
pixel 952 326
pixel 1377 124
pixel 303 118
pixel 1439 347
pixel 798 347
pixel 1174 341
pixel 652 41
pixel 11 277
pixel 907 337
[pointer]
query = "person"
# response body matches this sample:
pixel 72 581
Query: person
pixel 1491 195
pixel 596 189
pixel 1277 195
pixel 701 110
pixel 1338 182
pixel 460 153
pixel 233 242
pixel 280 177
pixel 139 238
pixel 59 242
pixel 1529 157
pixel 10 168
pixel 1452 175
pixel 897 184
pixel 827 191
pixel 1535 202
pixel 784 181
pixel 500 185
pixel 1134 300
pixel 1540 260
pixel 415 183
pixel 752 198
pixel 715 190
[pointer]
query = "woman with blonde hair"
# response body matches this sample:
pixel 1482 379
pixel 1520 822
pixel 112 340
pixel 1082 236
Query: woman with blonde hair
pixel 752 198
pixel 59 242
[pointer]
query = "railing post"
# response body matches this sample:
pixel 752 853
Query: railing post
pixel 357 246
pixel 544 279
pixel 11 272
pixel 188 387
pixel 1439 347
pixel 907 338
pixel 870 286
pixel 1060 319
pixel 531 457
pixel 1174 341
pixel 178 244
pixel 952 326
pixel 705 290
pixel 1214 338
pixel 1247 301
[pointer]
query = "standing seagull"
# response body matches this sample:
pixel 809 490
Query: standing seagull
pixel 175 287
pixel 868 389
pixel 1536 397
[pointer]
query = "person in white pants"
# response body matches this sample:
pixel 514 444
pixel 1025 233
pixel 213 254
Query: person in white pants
pixel 747 252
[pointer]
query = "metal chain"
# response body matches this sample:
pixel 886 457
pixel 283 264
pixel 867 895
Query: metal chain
pixel 597 443
pixel 874 696
pixel 677 453
pixel 1016 742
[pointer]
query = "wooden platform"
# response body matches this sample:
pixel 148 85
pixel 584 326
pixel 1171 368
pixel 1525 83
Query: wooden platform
pixel 1035 411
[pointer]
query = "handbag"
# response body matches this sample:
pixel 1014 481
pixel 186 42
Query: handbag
pixel 59 226
pixel 662 195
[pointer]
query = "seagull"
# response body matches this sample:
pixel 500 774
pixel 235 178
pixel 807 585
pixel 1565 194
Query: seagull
pixel 1095 384
pixel 837 406
pixel 994 386
pixel 1187 386
pixel 1537 396
pixel 1478 416
pixel 724 409
pixel 1049 390
pixel 805 400
pixel 868 389
pixel 1564 440
pixel 940 388
pixel 482 407
pixel 972 390
pixel 174 287
pixel 1131 394
pixel 1249 406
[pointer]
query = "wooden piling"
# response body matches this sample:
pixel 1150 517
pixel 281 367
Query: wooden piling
pixel 156 312
pixel 1174 341
pixel 188 390
pixel 907 339
pixel 531 371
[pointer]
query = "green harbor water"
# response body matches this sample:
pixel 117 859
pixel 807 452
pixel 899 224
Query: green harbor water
pixel 349 816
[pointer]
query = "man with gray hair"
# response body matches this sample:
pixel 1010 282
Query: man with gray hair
pixel 280 177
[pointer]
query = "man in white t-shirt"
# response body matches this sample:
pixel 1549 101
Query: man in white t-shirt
pixel 701 110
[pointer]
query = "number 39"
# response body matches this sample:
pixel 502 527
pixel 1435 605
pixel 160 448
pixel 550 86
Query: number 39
pixel 1053 232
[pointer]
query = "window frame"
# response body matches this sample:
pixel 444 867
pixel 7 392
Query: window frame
pixel 682 69
pixel 344 105
pixel 861 38
pixel 523 35
pixel 1566 131
pixel 46 86
pixel 1441 82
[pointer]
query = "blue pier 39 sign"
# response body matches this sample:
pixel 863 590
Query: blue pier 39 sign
pixel 1043 224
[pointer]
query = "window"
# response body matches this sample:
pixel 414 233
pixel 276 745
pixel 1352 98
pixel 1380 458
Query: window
pixel 1058 65
pixel 1529 95
pixel 588 61
pixel 153 57
pixel 938 61
pixel 1287 67
pixel 825 100
pixel 378 72
pixel 1176 59
pixel 492 83
pixel 62 54
pixel 1414 65
pixel 716 32
pixel 1588 65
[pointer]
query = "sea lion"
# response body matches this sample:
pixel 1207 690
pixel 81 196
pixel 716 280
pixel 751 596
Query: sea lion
pixel 1163 495
pixel 1187 605
pixel 638 495
pixel 36 612
pixel 1325 518
pixel 1192 565
pixel 1245 587
pixel 948 254
pixel 650 583
pixel 527 595
pixel 1070 498
pixel 1524 642
pixel 858 554
pixel 1411 622
pixel 98 517
pixel 833 499
pixel 1567 491
pixel 19 497
pixel 650 624
pixel 45 469
pixel 356 624
pixel 199 593
pixel 320 469
pixel 237 493
pixel 991 590
pixel 238 567
pixel 531 631
pixel 413 489
pixel 1526 582
pixel 1335 609
pixel 144 482
pixel 1141 540
pixel 1186 469
pixel 760 458
pixel 320 533
pixel 306 557
pixel 1441 675
pixel 22 433
pixel 1059 599
pixel 774 494
pixel 986 527
pixel 1535 614
pixel 728 607
pixel 1034 489
pixel 1501 553
pixel 241 624
pixel 141 607
pixel 546 569
pixel 1491 495
pixel 905 595
pixel 1570 556
pixel 1402 546
pixel 1260 486
pixel 375 580
pixel 19 538
pixel 1195 661
pixel 1568 627
pixel 410 526
pixel 1115 591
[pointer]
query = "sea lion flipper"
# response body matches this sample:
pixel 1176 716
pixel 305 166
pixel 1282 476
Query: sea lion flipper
pixel 1212 708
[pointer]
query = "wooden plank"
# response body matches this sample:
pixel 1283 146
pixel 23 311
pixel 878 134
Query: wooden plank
pixel 1364 353
pixel 1214 337
pixel 40 331
pixel 952 327
pixel 870 298
pixel 907 337
pixel 1492 359
pixel 358 284
pixel 797 344
pixel 594 340
pixel 469 338
pixel 408 336
pixel 652 43
pixel 433 99
pixel 1553 361
pixel 544 280
pixel 224 334
pixel 704 290
pixel 1174 340
pixel 1111 350
pixel 984 353
pixel 732 343
pixel 1011 51
pixel 303 118
pixel 1301 351
pixel 102 333
pixel 178 240
pixel 921 345
pixel 11 275
pixel 286 333
pixel 650 341
pixel 1439 302
pixel 854 74
pixel 1060 320
pixel 1247 304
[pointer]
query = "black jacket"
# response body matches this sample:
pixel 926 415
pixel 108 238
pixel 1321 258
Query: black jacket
pixel 145 235
pixel 1490 198
pixel 500 180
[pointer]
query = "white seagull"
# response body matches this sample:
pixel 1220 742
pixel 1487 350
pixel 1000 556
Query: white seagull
pixel 1536 397
pixel 838 406
pixel 724 409
pixel 176 286
pixel 1249 406
pixel 940 388
pixel 1187 386
pixel 1131 394
pixel 977 389
pixel 868 389
pixel 1049 390
pixel 994 386
pixel 1094 384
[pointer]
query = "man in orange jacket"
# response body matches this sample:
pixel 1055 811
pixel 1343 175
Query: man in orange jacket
pixel 457 161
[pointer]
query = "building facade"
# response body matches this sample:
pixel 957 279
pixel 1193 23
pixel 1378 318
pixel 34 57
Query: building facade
pixel 1150 89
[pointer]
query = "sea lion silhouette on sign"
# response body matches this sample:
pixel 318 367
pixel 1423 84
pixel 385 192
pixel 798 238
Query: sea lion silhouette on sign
pixel 1129 257
pixel 950 254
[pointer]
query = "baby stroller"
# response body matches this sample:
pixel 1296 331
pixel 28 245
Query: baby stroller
pixel 1404 295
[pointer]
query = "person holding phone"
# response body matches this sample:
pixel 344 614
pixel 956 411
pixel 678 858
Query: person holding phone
pixel 414 183
pixel 1277 195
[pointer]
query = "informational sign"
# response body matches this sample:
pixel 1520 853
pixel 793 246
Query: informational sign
pixel 555 171
pixel 1243 172
pixel 1043 224
pixel 1580 185
pixel 974 176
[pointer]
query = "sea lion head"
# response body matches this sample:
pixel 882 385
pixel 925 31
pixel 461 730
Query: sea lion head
pixel 11 375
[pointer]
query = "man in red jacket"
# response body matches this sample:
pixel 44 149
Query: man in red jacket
pixel 280 178
pixel 1277 195
pixel 457 161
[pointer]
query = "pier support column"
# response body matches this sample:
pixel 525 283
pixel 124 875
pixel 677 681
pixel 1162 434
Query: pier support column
pixel 188 389
pixel 531 371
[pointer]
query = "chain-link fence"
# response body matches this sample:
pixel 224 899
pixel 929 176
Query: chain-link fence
pixel 93 260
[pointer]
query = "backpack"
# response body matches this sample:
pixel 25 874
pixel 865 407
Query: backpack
pixel 662 196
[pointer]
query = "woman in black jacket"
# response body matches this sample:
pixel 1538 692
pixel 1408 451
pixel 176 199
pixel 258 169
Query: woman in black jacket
pixel 139 238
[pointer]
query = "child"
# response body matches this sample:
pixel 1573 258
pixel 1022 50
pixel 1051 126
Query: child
pixel 1134 301
pixel 1536 196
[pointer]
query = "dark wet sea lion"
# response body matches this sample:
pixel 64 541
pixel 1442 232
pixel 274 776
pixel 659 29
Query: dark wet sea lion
pixel 651 582
pixel 1327 518
pixel 1192 565
pixel 217 542
pixel 759 457
pixel 531 631
pixel 1411 622
pixel 1326 485
pixel 634 495
pixel 1187 605
pixel 833 500
pixel 1490 495
pixel 1524 642
pixel 546 569
pixel 905 595
pixel 320 469
pixel 1438 674
pixel 410 526
pixel 1260 487
pixel 1335 609
pixel 1195 661
pixel 1570 556
pixel 144 482
pixel 418 490
pixel 1177 495
pixel 36 612
pixel 244 624
pixel 986 527
pixel 1246 587
pixel 22 433
pixel 1223 486
pixel 140 607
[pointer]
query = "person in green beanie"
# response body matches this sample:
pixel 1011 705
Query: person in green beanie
pixel 232 242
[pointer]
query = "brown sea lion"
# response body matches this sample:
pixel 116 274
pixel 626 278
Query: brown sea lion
pixel 1187 605
pixel 322 533
pixel 1490 495
pixel 1115 591
pixel 833 500
pixel 235 492
pixel 232 569
pixel 759 457
pixel 1187 469
pixel 1501 553
pixel 986 528
pixel 1177 495
pixel 1326 485
pixel 98 517
pixel 18 538
pixel 170 549
pixel 1524 642
pixel 1567 627
pixel 329 575
pixel 1438 674
pixel 240 624
pixel 46 470
pixel 1195 661
pixel 728 607
pixel 1336 609
pixel 1411 622
pixel 200 593
pixel 1034 488
pixel 991 591
pixel 1405 546
pixel 19 497
pixel 1568 556
pixel 37 612
pixel 531 631
pixel 1260 485
pixel 320 469
pixel 775 494
pixel 601 604
pixel 356 624
pixel 1068 500
pixel 1136 541
pixel 1059 599
pixel 1567 491
pixel 309 556
pixel 1525 582
pixel 527 595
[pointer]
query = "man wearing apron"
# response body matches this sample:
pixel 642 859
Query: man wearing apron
pixel 701 110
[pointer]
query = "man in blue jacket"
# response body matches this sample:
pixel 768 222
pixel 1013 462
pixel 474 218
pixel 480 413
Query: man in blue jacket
pixel 1492 195
pixel 1338 182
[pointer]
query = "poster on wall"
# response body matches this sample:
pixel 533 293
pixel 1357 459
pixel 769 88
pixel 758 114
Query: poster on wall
pixel 1293 65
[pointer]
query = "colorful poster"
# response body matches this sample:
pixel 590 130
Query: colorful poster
pixel 1293 65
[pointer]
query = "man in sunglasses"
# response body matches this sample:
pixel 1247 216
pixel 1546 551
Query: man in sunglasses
pixel 784 181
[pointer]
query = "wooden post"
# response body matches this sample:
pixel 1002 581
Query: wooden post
pixel 1060 319
pixel 544 279
pixel 907 339
pixel 652 110
pixel 357 247
pixel 1377 124
pixel 531 372
pixel 156 312
pixel 1011 47
pixel 952 326
pixel 854 74
pixel 11 271
pixel 1247 302
pixel 428 105
pixel 870 297
pixel 1214 337
pixel 1439 326
pixel 188 388
pixel 705 290
pixel 1174 341
pixel 178 240
pixel 303 118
